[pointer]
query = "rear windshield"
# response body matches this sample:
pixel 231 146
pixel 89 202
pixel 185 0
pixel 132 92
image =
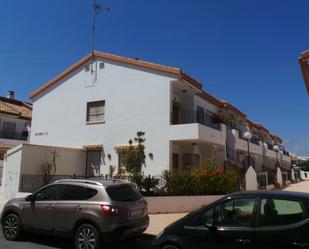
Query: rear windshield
pixel 124 193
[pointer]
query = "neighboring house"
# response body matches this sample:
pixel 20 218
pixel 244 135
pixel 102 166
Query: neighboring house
pixel 100 102
pixel 15 123
pixel 304 65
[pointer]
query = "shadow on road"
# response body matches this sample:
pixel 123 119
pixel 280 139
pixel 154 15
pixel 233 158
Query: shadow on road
pixel 60 243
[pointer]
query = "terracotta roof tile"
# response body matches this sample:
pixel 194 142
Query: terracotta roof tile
pixel 16 108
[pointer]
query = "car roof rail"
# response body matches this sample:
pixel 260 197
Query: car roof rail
pixel 93 182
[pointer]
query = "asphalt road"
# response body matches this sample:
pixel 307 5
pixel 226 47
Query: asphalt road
pixel 32 241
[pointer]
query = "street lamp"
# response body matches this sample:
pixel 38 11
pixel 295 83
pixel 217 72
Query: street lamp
pixel 248 136
pixel 276 149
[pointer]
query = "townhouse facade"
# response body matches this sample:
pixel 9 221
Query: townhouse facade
pixel 100 102
pixel 15 124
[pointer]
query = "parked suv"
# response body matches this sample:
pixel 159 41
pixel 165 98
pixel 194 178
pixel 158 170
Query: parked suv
pixel 89 211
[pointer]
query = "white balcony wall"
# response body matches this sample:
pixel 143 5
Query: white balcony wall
pixel 198 132
pixel 241 144
pixel 286 158
pixel 12 142
pixel 269 153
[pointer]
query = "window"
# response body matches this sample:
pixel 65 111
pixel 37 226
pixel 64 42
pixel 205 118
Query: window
pixel 2 153
pixel 125 193
pixel 200 115
pixel 50 193
pixel 96 111
pixel 190 160
pixel 9 129
pixel 276 212
pixel 73 192
pixel 121 164
pixel 235 213
pixel 203 218
pixel 209 121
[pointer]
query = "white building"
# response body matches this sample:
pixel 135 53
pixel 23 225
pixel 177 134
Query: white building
pixel 100 102
pixel 15 123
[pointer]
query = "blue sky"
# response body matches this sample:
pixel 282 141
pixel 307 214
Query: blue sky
pixel 244 51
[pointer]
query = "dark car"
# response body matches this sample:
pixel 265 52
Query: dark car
pixel 259 219
pixel 88 211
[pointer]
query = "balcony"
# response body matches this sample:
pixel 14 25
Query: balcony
pixel 269 150
pixel 241 143
pixel 14 135
pixel 191 117
pixel 193 125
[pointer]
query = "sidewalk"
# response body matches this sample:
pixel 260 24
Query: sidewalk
pixel 302 186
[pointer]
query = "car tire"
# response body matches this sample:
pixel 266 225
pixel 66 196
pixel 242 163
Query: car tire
pixel 169 246
pixel 11 227
pixel 87 237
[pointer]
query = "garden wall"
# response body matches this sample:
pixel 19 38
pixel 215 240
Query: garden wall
pixel 178 204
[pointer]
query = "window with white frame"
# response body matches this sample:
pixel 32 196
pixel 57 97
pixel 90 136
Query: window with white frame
pixel 96 111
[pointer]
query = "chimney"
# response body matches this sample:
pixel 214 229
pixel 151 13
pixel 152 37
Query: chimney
pixel 11 95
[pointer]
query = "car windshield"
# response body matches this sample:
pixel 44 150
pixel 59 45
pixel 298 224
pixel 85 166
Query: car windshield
pixel 123 193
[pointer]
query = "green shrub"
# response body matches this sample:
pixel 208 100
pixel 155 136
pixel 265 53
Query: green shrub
pixel 205 179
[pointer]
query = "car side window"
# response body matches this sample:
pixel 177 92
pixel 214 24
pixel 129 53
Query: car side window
pixel 203 218
pixel 74 192
pixel 278 212
pixel 50 193
pixel 235 213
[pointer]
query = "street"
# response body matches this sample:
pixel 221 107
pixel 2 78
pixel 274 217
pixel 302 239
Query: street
pixel 32 241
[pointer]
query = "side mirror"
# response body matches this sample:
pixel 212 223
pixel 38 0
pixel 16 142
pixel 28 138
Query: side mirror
pixel 30 198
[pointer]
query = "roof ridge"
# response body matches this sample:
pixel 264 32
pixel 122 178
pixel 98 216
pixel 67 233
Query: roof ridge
pixel 133 59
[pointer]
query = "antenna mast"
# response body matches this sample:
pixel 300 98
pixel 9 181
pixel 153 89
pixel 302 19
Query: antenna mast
pixel 96 9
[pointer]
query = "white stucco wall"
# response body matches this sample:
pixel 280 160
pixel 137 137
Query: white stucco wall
pixel 69 161
pixel 304 175
pixel 11 173
pixel 28 159
pixel 136 100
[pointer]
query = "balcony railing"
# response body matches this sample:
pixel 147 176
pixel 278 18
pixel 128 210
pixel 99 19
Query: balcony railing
pixel 189 117
pixel 14 135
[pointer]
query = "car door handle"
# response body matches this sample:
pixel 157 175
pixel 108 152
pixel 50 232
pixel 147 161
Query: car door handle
pixel 50 206
pixel 300 244
pixel 243 241
pixel 78 208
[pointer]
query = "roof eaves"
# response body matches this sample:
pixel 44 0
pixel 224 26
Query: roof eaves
pixel 116 58
pixel 233 108
pixel 60 76
pixel 209 98
pixel 305 68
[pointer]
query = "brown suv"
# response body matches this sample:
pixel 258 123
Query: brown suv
pixel 89 211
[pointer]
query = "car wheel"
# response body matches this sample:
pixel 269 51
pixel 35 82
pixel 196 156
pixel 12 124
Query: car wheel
pixel 11 227
pixel 87 237
pixel 170 247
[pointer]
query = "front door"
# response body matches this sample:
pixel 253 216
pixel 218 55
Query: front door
pixel 93 163
pixel 38 215
pixel 175 161
pixel 175 113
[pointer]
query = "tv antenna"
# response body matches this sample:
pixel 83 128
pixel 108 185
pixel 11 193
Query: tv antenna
pixel 96 9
